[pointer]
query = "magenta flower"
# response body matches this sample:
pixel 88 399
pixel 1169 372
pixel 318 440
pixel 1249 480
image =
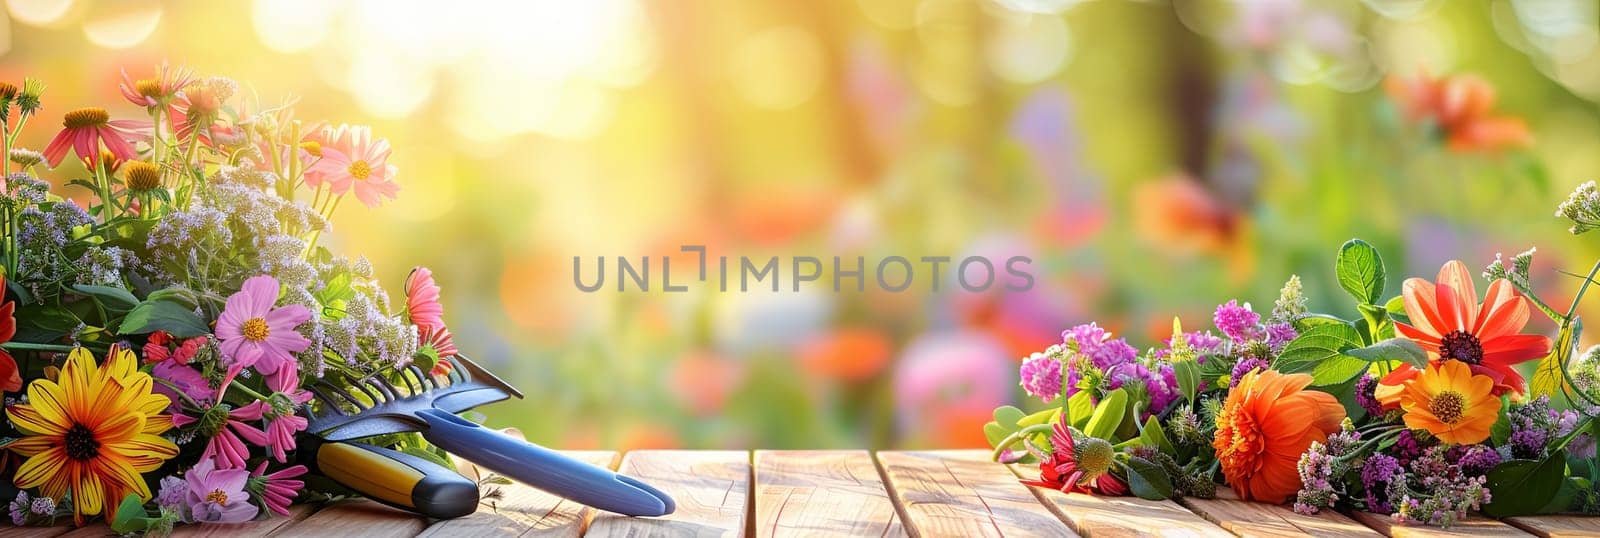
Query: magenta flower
pixel 1041 377
pixel 254 333
pixel 277 490
pixel 217 495
pixel 227 431
pixel 185 378
pixel 282 422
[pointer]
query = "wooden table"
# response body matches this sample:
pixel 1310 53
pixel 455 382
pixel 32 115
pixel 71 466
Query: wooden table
pixel 831 493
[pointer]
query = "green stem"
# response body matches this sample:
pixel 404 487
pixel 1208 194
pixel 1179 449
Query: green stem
pixel 1018 436
pixel 1573 310
pixel 30 346
pixel 248 391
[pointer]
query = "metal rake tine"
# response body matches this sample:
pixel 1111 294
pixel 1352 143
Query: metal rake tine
pixel 321 392
pixel 384 386
pixel 358 385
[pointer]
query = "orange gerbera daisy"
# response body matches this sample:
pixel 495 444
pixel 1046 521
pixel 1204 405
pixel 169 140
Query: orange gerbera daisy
pixel 93 433
pixel 1267 422
pixel 1451 403
pixel 1449 323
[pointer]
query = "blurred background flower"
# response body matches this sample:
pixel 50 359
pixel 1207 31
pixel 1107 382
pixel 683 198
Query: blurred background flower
pixel 1151 158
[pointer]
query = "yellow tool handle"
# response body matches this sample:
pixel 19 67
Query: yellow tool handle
pixel 397 479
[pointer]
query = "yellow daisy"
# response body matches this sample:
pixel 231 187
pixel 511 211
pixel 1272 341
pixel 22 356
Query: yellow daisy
pixel 1451 403
pixel 94 432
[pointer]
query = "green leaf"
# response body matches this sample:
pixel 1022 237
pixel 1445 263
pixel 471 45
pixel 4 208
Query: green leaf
pixel 1148 480
pixel 182 297
pixel 42 323
pixel 1188 374
pixel 994 433
pixel 130 516
pixel 1042 417
pixel 1548 379
pixel 1008 416
pixel 1154 436
pixel 1079 408
pixel 1108 415
pixel 1522 487
pixel 111 298
pixel 1308 321
pixel 1396 306
pixel 1360 271
pixel 1320 352
pixel 151 316
pixel 1393 349
pixel 1562 502
pixel 1501 430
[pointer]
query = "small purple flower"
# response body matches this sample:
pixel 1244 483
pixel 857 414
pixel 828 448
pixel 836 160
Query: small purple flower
pixel 1279 335
pixel 1381 471
pixel 170 493
pixel 1238 322
pixel 19 509
pixel 1407 448
pixel 1041 377
pixel 1244 367
pixel 1366 395
pixel 1528 444
pixel 1475 460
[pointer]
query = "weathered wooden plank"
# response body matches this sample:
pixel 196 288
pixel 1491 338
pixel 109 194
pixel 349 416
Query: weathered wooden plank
pixel 525 511
pixel 33 532
pixel 821 493
pixel 356 518
pixel 1101 516
pixel 92 529
pixel 711 488
pixel 1472 526
pixel 962 493
pixel 257 529
pixel 1557 526
pixel 1252 519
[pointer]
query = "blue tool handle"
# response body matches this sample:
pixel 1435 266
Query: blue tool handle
pixel 543 468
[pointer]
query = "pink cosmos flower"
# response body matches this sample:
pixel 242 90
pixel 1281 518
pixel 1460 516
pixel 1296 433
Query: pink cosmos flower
pixel 353 160
pixel 277 490
pixel 84 130
pixel 254 333
pixel 217 495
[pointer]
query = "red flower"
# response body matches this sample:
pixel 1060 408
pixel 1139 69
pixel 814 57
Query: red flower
pixel 10 378
pixel 1462 108
pixel 1079 466
pixel 1450 324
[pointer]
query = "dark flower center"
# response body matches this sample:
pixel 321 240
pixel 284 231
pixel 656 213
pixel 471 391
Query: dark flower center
pixel 80 443
pixel 1447 406
pixel 1461 346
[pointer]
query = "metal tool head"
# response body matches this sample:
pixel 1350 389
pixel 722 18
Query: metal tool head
pixel 387 402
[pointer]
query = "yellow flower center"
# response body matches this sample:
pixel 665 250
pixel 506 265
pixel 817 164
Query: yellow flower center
pixel 1447 406
pixel 79 443
pixel 86 117
pixel 217 496
pixel 142 176
pixel 1094 457
pixel 313 147
pixel 255 329
pixel 360 170
pixel 147 87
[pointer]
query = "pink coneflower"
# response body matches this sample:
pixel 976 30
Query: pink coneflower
pixel 254 333
pixel 86 129
pixel 229 431
pixel 154 92
pixel 282 422
pixel 353 160
pixel 1078 465
pixel 216 495
pixel 277 490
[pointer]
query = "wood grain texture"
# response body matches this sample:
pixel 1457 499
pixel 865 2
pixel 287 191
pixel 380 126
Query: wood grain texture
pixel 962 493
pixel 354 518
pixel 711 489
pixel 33 532
pixel 1099 516
pixel 821 493
pixel 257 529
pixel 1473 526
pixel 1557 526
pixel 525 511
pixel 1251 519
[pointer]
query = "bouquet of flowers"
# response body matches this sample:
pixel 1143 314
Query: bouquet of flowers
pixel 156 338
pixel 1411 405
